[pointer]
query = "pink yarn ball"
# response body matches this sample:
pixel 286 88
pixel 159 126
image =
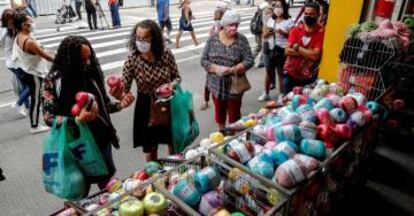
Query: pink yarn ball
pixel 290 173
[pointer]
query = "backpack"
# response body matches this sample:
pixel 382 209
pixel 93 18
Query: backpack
pixel 256 23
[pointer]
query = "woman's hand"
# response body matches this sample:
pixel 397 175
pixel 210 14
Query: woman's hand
pixel 87 116
pixel 117 92
pixel 127 100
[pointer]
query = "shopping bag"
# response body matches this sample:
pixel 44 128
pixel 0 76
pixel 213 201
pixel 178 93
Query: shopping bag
pixel 184 126
pixel 61 175
pixel 86 152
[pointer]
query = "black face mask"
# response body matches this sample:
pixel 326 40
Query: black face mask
pixel 310 21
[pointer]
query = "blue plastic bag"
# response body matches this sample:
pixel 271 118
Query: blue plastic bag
pixel 184 126
pixel 87 153
pixel 61 175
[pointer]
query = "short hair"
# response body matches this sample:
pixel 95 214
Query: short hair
pixel 218 14
pixel 313 5
pixel 19 19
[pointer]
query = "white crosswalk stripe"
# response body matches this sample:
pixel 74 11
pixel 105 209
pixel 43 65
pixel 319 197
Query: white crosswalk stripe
pixel 110 45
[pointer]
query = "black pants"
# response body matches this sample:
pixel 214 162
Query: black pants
pixel 92 18
pixel 78 6
pixel 35 85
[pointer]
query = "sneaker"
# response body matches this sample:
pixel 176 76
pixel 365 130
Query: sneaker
pixel 39 129
pixel 20 109
pixel 23 111
pixel 260 65
pixel 264 97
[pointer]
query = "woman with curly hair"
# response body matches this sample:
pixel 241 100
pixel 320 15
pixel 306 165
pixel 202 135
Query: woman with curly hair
pixel 76 69
pixel 151 65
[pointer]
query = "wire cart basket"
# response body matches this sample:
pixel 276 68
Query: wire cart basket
pixel 242 191
pixel 363 65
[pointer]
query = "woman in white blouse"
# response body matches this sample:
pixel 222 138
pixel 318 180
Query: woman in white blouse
pixel 275 35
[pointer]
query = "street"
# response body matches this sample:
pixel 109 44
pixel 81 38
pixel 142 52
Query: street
pixel 20 156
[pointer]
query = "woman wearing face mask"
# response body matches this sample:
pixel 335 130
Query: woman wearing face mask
pixel 226 55
pixel 185 22
pixel 276 34
pixel 151 65
pixel 76 69
pixel 31 58
pixel 7 36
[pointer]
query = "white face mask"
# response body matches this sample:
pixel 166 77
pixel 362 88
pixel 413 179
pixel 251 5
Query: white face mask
pixel 32 27
pixel 143 46
pixel 278 11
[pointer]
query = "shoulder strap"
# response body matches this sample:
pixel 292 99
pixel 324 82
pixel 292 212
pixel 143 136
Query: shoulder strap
pixel 24 44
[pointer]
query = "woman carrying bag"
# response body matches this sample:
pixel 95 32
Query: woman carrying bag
pixel 151 65
pixel 226 58
pixel 76 69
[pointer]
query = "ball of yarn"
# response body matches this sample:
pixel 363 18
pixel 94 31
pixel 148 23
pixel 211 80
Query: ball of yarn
pixel 216 137
pixel 284 111
pixel 272 120
pixel 261 168
pixel 205 143
pixel 349 104
pixel 152 167
pixel 240 151
pixel 114 184
pixel 130 184
pixel 132 205
pixel 334 99
pixel 237 214
pixel 91 207
pixel 338 115
pixel 292 118
pixel 309 162
pixel 307 113
pixel 210 202
pixel 360 98
pixel 324 103
pixel 336 89
pixel 287 133
pixel 299 100
pixel 357 118
pixel 155 203
pixel 258 148
pixel 222 212
pixel 283 151
pixel 323 116
pixel 115 199
pixel 344 131
pixel 317 94
pixel 307 130
pixel 314 148
pixel 206 179
pixel 191 153
pixel 290 173
pixel 373 106
pixel 260 130
pixel 270 145
pixel 187 192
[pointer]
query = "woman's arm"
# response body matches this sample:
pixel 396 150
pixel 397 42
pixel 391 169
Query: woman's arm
pixel 247 61
pixel 34 48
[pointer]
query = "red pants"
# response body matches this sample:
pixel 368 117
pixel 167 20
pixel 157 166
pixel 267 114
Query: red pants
pixel 224 107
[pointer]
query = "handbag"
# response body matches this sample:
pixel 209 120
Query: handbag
pixel 159 114
pixel 239 84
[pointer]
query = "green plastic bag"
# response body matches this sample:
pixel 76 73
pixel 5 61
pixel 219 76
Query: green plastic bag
pixel 184 126
pixel 87 153
pixel 61 175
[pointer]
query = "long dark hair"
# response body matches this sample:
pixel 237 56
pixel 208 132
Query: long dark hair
pixel 285 7
pixel 157 42
pixel 8 14
pixel 19 19
pixel 74 73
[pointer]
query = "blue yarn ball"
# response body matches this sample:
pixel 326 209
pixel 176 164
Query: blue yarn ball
pixel 206 179
pixel 187 192
pixel 263 168
pixel 313 148
pixel 338 114
pixel 307 113
pixel 324 103
pixel 287 133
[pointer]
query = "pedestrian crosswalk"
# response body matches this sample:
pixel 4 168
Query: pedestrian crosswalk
pixel 111 45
